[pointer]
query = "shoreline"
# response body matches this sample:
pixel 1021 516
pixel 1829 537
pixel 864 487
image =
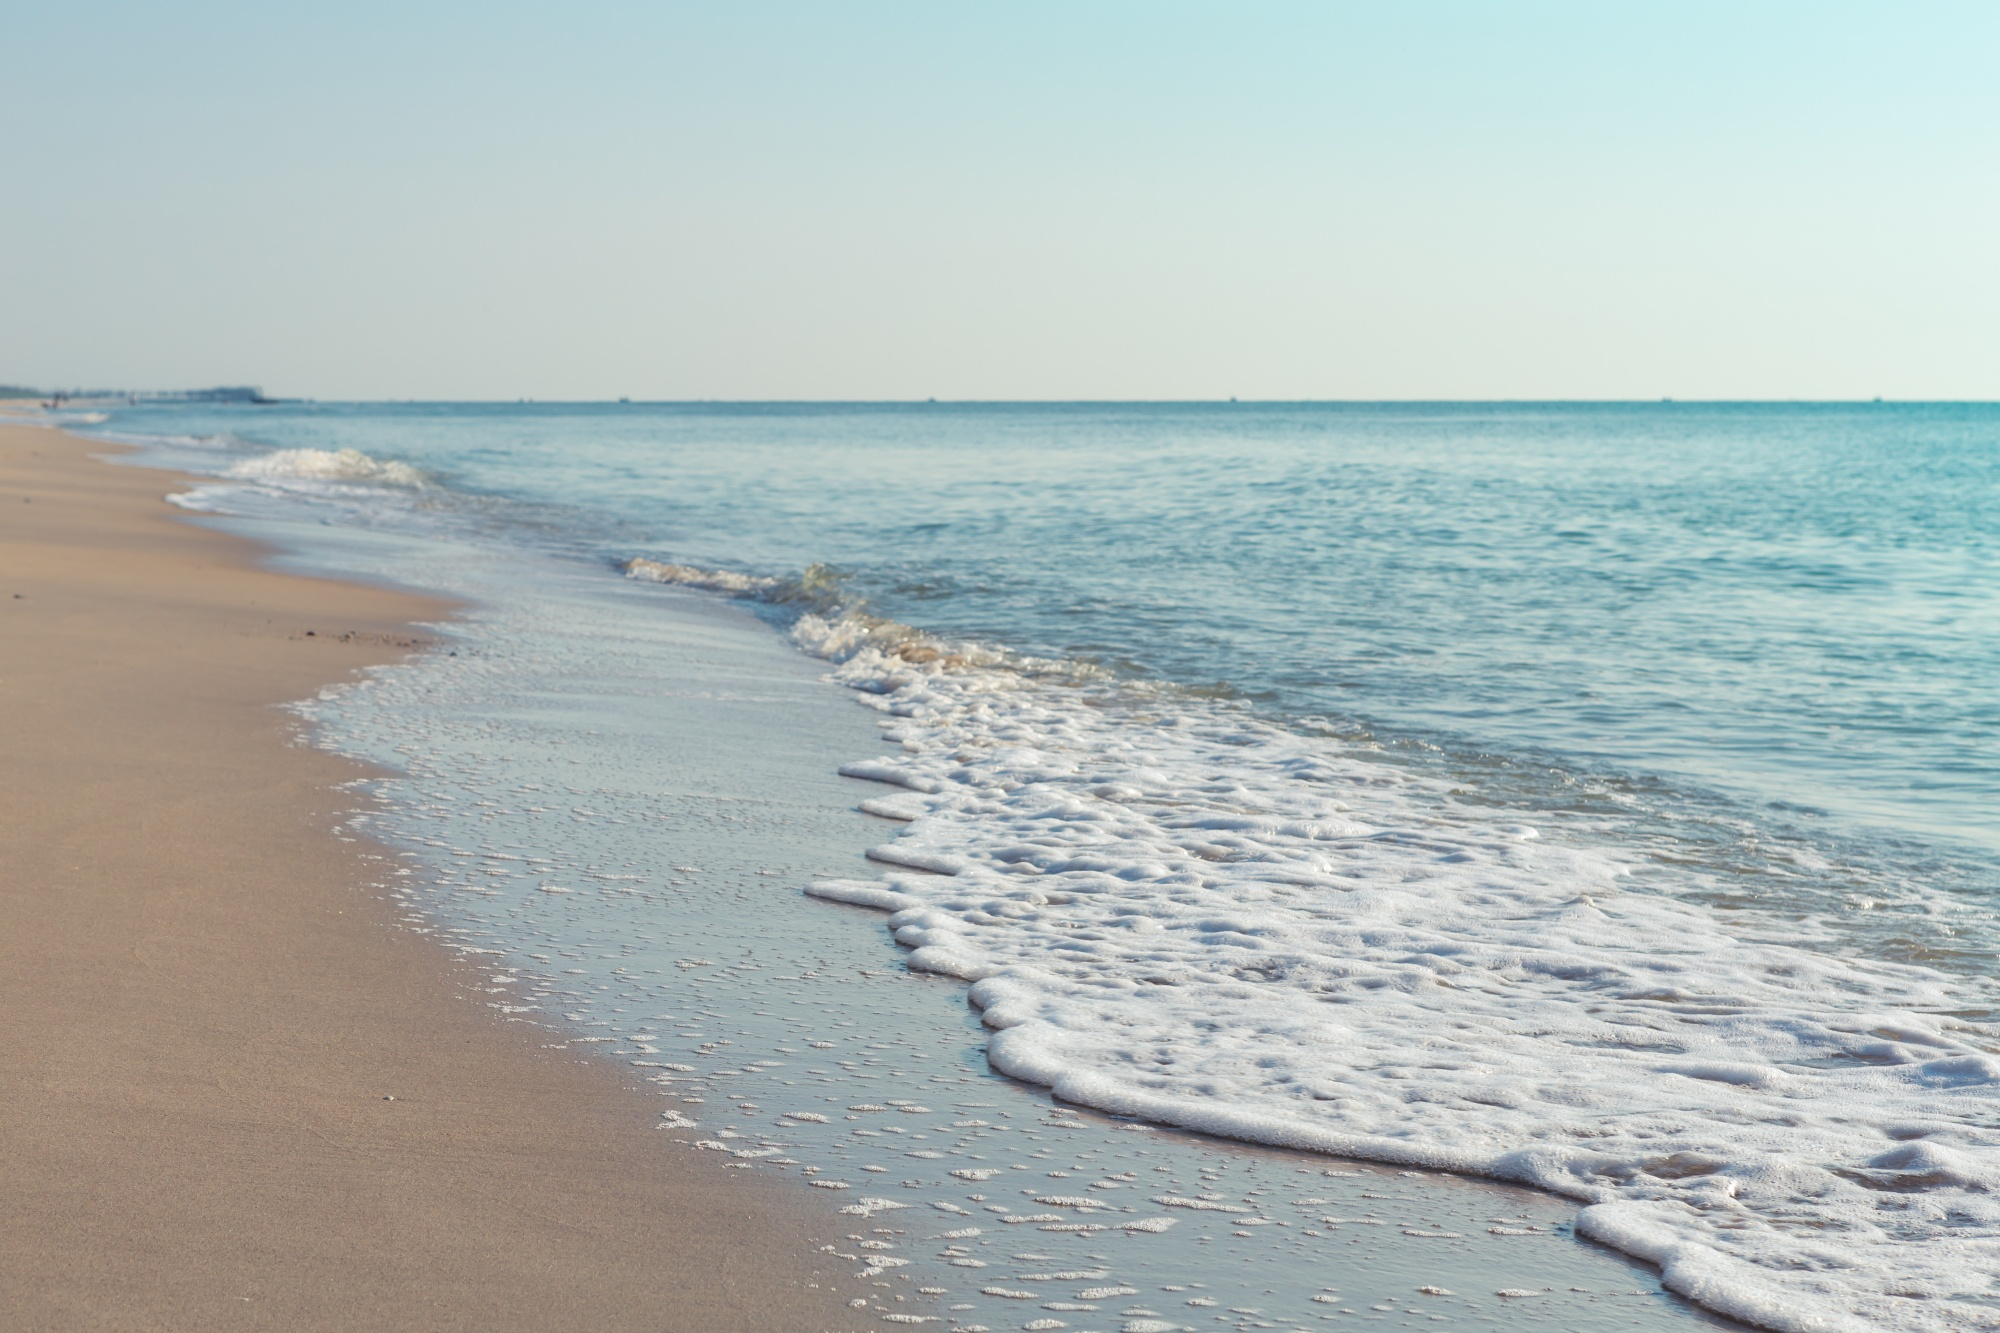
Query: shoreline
pixel 650 899
pixel 242 1097
pixel 735 719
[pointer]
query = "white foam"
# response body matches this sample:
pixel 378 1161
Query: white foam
pixel 1174 911
pixel 716 580
pixel 338 465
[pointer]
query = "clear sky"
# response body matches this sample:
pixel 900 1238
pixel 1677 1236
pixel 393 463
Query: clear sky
pixel 1401 199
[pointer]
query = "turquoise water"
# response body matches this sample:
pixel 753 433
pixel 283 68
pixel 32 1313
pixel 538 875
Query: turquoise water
pixel 1587 797
pixel 1755 643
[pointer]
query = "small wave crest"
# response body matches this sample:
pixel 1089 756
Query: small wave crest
pixel 348 465
pixel 820 588
pixel 836 626
pixel 831 626
pixel 688 576
pixel 212 442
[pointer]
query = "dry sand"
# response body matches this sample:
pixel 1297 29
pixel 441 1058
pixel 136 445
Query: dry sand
pixel 204 1012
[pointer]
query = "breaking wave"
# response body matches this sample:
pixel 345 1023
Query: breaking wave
pixel 1170 908
pixel 687 576
pixel 340 465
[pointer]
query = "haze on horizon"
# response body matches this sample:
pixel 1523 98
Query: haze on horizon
pixel 878 201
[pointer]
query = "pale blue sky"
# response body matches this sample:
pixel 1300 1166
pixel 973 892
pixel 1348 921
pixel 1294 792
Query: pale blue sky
pixel 860 200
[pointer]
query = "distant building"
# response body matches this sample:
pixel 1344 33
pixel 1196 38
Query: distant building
pixel 228 393
pixel 238 393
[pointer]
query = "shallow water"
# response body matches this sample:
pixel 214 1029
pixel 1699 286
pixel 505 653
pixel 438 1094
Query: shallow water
pixel 1790 603
pixel 1560 794
pixel 617 825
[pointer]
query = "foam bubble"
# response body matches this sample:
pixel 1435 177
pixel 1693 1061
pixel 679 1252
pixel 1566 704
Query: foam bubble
pixel 1172 910
pixel 716 580
pixel 348 465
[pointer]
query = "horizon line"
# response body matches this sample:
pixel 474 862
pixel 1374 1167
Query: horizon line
pixel 190 397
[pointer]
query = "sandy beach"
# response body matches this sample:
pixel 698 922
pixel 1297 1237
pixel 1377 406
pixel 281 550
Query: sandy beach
pixel 236 1095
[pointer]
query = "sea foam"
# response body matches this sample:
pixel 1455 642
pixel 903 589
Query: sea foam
pixel 715 580
pixel 338 465
pixel 1173 910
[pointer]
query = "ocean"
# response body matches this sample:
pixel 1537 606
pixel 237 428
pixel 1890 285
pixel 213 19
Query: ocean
pixel 1589 797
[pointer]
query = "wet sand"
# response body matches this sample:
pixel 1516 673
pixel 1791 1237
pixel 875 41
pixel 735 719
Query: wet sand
pixel 235 1094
